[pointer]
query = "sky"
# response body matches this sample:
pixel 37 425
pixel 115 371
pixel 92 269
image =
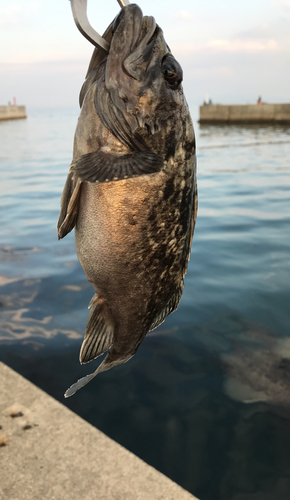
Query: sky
pixel 233 50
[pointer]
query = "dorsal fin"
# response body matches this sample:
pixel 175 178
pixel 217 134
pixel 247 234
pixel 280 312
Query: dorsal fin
pixel 171 306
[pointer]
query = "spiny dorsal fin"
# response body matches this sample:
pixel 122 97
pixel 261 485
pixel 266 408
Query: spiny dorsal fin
pixel 99 331
pixel 187 248
pixel 100 166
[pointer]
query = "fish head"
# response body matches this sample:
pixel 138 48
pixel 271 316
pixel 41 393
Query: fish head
pixel 142 76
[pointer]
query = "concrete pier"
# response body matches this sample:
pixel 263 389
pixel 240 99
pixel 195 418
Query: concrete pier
pixel 244 113
pixel 47 452
pixel 12 112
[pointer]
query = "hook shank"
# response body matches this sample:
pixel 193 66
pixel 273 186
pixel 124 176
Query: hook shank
pixel 79 10
pixel 122 3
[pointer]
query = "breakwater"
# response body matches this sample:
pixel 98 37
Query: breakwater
pixel 12 112
pixel 244 113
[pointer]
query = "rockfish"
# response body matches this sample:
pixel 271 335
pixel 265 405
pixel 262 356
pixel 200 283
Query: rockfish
pixel 131 189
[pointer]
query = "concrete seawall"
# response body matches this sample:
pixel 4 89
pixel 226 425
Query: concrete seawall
pixel 12 112
pixel 245 113
pixel 47 452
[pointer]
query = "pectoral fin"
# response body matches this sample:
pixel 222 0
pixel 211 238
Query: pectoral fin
pixel 104 167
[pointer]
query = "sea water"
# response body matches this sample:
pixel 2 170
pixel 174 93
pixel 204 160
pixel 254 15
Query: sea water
pixel 206 399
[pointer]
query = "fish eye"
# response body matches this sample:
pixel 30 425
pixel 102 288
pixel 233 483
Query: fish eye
pixel 172 72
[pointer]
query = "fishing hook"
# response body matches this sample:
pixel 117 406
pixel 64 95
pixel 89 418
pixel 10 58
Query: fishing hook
pixel 79 10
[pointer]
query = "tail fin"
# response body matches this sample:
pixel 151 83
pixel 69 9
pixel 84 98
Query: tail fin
pixel 104 366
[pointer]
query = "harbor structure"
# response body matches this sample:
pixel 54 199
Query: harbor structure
pixel 12 112
pixel 244 113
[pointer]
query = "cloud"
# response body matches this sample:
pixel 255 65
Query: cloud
pixel 265 38
pixel 262 31
pixel 14 14
pixel 283 4
pixel 278 30
pixel 54 83
pixel 225 46
pixel 184 15
pixel 253 45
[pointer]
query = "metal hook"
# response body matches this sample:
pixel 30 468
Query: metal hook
pixel 79 10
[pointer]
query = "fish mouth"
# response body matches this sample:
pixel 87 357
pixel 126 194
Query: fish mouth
pixel 134 93
pixel 137 44
pixel 140 23
pixel 133 50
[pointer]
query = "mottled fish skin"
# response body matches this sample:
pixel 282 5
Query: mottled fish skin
pixel 133 232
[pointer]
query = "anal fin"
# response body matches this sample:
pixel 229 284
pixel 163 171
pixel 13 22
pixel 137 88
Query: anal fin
pixel 99 331
pixel 98 339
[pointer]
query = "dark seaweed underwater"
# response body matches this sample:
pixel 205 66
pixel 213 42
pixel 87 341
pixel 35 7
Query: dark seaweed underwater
pixel 206 399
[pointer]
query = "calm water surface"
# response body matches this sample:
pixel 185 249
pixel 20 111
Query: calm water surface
pixel 206 399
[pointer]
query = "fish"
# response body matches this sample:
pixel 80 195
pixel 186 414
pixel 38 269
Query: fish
pixel 131 190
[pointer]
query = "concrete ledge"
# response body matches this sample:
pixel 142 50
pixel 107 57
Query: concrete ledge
pixel 12 112
pixel 245 113
pixel 48 452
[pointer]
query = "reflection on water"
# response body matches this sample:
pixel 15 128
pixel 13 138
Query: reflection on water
pixel 206 397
